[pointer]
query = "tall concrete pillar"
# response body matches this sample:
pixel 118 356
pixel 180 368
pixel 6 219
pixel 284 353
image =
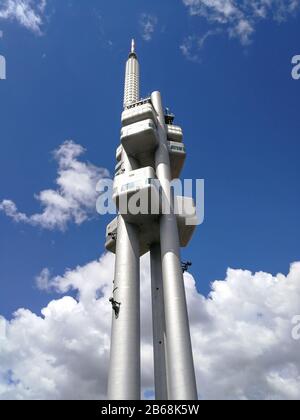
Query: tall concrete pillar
pixel 159 328
pixel 124 381
pixel 125 371
pixel 180 369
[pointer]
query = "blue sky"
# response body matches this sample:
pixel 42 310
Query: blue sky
pixel 238 105
pixel 226 74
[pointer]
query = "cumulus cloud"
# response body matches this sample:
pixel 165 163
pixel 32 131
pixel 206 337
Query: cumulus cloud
pixel 148 25
pixel 28 13
pixel 245 349
pixel 240 18
pixel 74 200
pixel 241 335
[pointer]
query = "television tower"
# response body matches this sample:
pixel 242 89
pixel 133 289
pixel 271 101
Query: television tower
pixel 150 156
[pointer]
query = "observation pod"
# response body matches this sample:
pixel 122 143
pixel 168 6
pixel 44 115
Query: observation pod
pixel 177 158
pixel 137 196
pixel 147 236
pixel 174 133
pixel 137 112
pixel 186 216
pixel 177 154
pixel 139 138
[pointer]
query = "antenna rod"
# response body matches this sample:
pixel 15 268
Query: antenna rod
pixel 133 46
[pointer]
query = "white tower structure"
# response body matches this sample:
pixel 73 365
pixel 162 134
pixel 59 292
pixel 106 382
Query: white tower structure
pixel 150 156
pixel 132 78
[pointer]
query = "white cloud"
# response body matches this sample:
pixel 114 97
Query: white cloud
pixel 28 13
pixel 240 18
pixel 42 280
pixel 74 200
pixel 245 349
pixel 192 45
pixel 148 25
pixel 241 336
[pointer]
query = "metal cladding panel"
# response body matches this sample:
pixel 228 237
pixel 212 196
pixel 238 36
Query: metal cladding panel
pixel 177 158
pixel 119 169
pixel 137 188
pixel 111 232
pixel 174 133
pixel 139 138
pixel 186 215
pixel 138 113
pixel 119 166
pixel 112 227
pixel 148 235
pixel 110 244
pixel 119 153
pixel 132 176
pixel 148 196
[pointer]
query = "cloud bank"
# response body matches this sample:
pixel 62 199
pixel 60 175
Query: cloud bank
pixel 74 200
pixel 238 19
pixel 28 13
pixel 242 337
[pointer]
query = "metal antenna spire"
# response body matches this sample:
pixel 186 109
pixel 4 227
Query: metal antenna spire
pixel 132 78
pixel 132 46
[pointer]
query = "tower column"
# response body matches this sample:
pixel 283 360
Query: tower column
pixel 159 328
pixel 180 369
pixel 173 359
pixel 124 382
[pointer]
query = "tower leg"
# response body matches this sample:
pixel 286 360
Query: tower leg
pixel 181 372
pixel 124 381
pixel 159 331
